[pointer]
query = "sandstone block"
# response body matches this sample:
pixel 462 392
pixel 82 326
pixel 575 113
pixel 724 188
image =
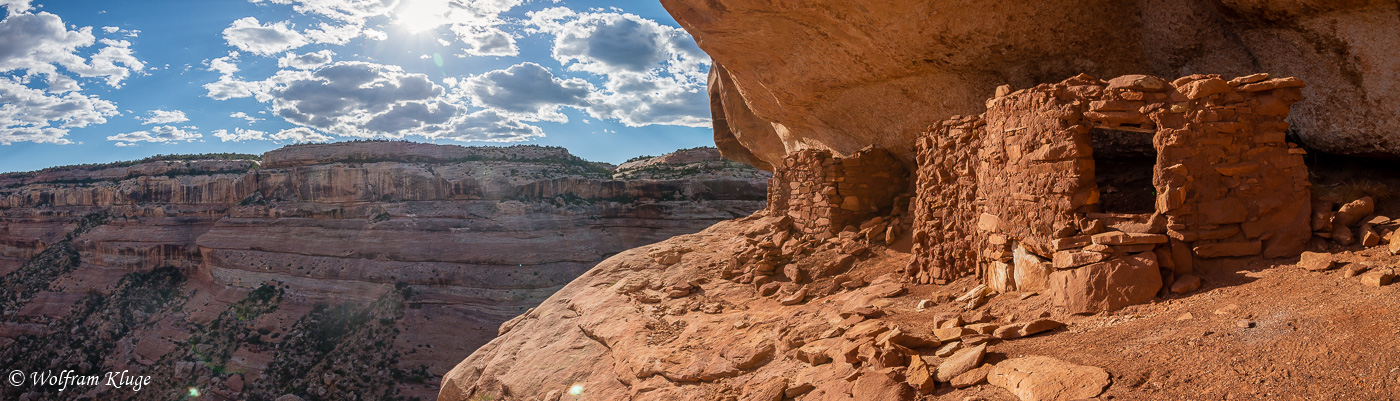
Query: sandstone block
pixel 961 362
pixel 1204 87
pixel 1039 326
pixel 1276 83
pixel 1394 240
pixel 983 328
pixel 1008 332
pixel 1352 212
pixel 1123 238
pixel 881 387
pixel 1108 285
pixel 1369 237
pixel 1030 272
pixel 1316 261
pixel 1146 83
pixel 1060 244
pixel 769 288
pixel 814 354
pixel 919 375
pixel 972 340
pixel 972 377
pixel 948 349
pixel 1041 378
pixel 1001 277
pixel 951 333
pixel 1249 79
pixel 864 311
pixel 797 390
pixel 1073 259
pixel 1186 283
pixel 1353 270
pixel 794 273
pixel 1378 278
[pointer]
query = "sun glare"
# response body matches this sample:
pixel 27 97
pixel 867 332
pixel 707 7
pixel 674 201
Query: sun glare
pixel 420 15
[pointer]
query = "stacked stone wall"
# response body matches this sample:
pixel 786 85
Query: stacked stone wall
pixel 1227 184
pixel 946 204
pixel 824 194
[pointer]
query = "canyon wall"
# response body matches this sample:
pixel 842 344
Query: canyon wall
pixel 841 76
pixel 337 271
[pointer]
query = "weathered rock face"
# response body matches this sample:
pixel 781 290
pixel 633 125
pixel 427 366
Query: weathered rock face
pixel 844 75
pixel 324 258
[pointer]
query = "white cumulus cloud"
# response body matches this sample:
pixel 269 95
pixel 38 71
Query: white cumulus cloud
pixel 526 91
pixel 163 117
pixel 38 45
pixel 239 135
pixel 300 134
pixel 652 73
pixel 306 61
pixel 249 35
pixel 159 134
pixel 245 116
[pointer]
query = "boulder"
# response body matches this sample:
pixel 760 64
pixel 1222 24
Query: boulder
pixel 1317 261
pixel 1351 213
pixel 1039 326
pixel 1031 272
pixel 961 362
pixel 1041 378
pixel 971 377
pixel 920 375
pixel 1186 283
pixel 1107 286
pixel 875 386
pixel 1378 278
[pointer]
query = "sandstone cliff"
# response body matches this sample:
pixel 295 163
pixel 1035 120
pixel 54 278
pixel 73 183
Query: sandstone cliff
pixel 842 75
pixel 337 271
pixel 1039 271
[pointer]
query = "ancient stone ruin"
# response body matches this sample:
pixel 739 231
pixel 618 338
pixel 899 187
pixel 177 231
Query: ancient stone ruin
pixel 824 194
pixel 1099 191
pixel 1096 192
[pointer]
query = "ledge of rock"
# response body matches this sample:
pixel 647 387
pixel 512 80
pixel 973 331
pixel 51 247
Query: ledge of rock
pixel 841 76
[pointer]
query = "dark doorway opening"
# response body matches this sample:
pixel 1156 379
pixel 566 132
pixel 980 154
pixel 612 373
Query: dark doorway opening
pixel 1123 166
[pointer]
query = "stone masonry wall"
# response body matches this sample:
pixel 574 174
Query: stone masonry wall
pixel 946 204
pixel 1227 184
pixel 824 194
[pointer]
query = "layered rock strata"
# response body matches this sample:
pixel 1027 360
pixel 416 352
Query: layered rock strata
pixel 398 256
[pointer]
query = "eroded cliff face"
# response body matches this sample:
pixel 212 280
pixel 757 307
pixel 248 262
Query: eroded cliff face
pixel 844 75
pixel 340 271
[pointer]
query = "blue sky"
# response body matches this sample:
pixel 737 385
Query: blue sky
pixel 85 81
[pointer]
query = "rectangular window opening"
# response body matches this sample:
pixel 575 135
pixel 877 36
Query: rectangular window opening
pixel 1123 165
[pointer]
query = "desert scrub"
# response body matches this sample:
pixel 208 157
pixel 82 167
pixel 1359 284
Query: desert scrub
pixel 339 352
pixel 37 274
pixel 88 335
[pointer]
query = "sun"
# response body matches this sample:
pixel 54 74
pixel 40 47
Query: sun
pixel 417 16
